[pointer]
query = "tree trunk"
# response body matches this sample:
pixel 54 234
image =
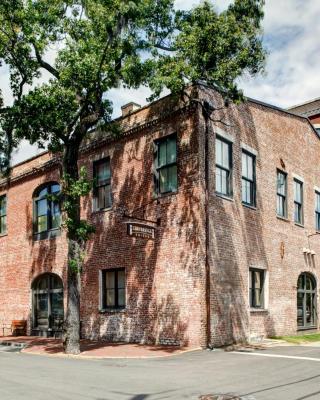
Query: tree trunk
pixel 71 339
pixel 71 334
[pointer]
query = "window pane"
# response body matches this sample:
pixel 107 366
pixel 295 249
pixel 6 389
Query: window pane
pixel 300 309
pixel 111 298
pixel 318 202
pixel 249 167
pixel 257 279
pixel 3 205
pixel 55 188
pixel 110 279
pixel 121 279
pixel 42 223
pixel 43 192
pixel 42 207
pixel 162 154
pixel 104 197
pixel 218 151
pixel 225 155
pixel 171 150
pixel 172 178
pixel 103 172
pixel 258 298
pixel 163 180
pixel 56 219
pixel 281 183
pixel 218 180
pixel 3 224
pixel 298 192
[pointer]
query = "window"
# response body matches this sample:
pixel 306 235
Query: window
pixel 298 202
pixel 113 288
pixel 166 176
pixel 281 194
pixel 47 218
pixel 248 179
pixel 102 184
pixel 256 287
pixel 223 167
pixel 306 302
pixel 3 215
pixel 317 211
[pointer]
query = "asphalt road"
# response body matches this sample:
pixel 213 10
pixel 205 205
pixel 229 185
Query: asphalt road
pixel 284 373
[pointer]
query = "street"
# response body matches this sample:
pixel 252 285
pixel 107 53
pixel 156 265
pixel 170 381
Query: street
pixel 281 373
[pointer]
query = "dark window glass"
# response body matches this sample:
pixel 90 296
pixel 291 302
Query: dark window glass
pixel 256 287
pixel 102 184
pixel 47 215
pixel 248 179
pixel 166 174
pixel 114 288
pixel 3 215
pixel 298 202
pixel 317 211
pixel 306 301
pixel 282 194
pixel 223 167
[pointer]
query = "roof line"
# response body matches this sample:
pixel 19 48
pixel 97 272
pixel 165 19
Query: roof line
pixel 304 103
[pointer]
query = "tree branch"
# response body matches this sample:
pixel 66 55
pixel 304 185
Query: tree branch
pixel 44 64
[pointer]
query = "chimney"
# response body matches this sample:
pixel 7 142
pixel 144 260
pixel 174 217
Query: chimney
pixel 129 108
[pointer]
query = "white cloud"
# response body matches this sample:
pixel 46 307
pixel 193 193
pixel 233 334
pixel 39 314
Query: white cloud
pixel 291 29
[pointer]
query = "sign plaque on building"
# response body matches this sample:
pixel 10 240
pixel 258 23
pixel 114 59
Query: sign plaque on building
pixel 141 231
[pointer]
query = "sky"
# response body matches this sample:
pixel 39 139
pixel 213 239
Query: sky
pixel 291 37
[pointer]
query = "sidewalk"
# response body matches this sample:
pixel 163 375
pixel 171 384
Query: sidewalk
pixel 90 348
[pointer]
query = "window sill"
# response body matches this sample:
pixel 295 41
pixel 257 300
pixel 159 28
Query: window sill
pixel 307 328
pixel 112 310
pixel 284 219
pixel 259 310
pixel 3 234
pixel 164 195
pixel 52 234
pixel 299 225
pixel 224 197
pixel 249 206
pixel 102 210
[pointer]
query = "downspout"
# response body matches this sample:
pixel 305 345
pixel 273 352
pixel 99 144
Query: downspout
pixel 206 113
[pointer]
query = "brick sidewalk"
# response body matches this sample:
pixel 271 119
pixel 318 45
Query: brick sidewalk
pixel 93 349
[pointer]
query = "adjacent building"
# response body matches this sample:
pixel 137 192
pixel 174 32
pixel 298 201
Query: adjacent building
pixel 206 228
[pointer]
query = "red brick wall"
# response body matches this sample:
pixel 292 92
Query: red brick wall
pixel 242 237
pixel 165 277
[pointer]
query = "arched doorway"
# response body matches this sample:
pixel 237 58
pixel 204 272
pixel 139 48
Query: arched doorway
pixel 47 305
pixel 307 302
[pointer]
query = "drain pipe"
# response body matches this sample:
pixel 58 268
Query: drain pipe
pixel 206 109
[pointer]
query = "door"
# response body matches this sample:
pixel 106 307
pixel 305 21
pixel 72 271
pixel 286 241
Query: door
pixel 306 302
pixel 47 304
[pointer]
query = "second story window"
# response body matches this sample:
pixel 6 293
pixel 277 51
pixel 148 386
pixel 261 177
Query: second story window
pixel 317 210
pixel 281 194
pixel 298 202
pixel 248 179
pixel 47 217
pixel 166 175
pixel 223 167
pixel 3 215
pixel 102 184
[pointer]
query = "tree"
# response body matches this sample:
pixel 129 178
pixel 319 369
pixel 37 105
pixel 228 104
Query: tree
pixel 99 45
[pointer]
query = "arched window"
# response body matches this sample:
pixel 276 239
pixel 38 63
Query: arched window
pixel 306 301
pixel 47 218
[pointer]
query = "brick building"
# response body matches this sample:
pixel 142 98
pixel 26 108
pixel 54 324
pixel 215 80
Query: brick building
pixel 310 109
pixel 205 228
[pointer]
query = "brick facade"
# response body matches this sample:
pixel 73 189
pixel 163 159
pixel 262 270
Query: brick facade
pixel 170 279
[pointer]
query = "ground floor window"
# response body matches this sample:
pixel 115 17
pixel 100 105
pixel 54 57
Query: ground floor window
pixel 306 302
pixel 256 287
pixel 113 288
